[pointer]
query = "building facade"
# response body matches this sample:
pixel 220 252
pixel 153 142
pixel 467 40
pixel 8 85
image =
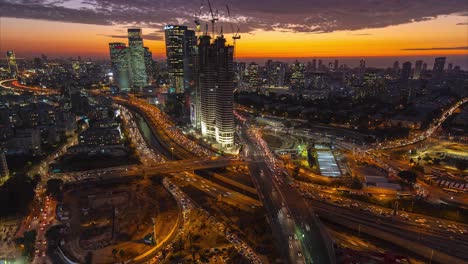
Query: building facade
pixel 137 58
pixel 216 76
pixel 12 65
pixel 180 43
pixel 120 63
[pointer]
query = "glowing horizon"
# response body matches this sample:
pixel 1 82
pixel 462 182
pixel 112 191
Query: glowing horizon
pixel 32 37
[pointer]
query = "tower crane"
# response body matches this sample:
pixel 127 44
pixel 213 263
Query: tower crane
pixel 235 33
pixel 197 19
pixel 213 20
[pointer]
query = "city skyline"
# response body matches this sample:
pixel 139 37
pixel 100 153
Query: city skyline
pixel 268 131
pixel 335 31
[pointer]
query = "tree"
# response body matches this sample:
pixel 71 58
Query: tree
pixel 461 165
pixel 89 258
pixel 28 240
pixel 409 176
pixel 356 183
pixel 296 171
pixel 54 187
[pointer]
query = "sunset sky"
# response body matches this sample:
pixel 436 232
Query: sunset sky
pixel 269 29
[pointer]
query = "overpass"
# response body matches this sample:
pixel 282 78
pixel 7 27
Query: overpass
pixel 13 84
pixel 135 170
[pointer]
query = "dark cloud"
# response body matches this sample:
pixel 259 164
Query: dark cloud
pixel 150 36
pixel 362 34
pixel 315 16
pixel 462 24
pixel 439 48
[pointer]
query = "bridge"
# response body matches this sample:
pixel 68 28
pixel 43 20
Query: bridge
pixel 147 170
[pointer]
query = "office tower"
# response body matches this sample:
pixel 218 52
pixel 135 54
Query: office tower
pixel 396 67
pixel 319 67
pixel 76 67
pixel 149 64
pixel 438 69
pixel 120 64
pixel 4 172
pixel 450 67
pixel 180 44
pixel 216 87
pixel 276 72
pixel 240 68
pixel 253 75
pixel 190 51
pixel 12 66
pixel 297 78
pixel 417 69
pixel 195 96
pixel 406 71
pixel 137 57
pixel 424 67
pixel 335 67
pixel 362 64
pixel 362 68
pixel 314 64
pixel 224 93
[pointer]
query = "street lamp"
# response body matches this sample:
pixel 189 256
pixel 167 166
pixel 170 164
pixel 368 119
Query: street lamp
pixel 172 153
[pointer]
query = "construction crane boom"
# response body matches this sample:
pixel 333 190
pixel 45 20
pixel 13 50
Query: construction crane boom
pixel 213 19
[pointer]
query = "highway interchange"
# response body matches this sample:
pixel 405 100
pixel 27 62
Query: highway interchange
pixel 297 229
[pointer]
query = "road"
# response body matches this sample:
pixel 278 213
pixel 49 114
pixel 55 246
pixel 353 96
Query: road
pixel 180 146
pixel 423 135
pixel 423 232
pixel 13 84
pixel 299 234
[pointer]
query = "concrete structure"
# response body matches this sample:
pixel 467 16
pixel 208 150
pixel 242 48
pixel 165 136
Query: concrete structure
pixel 137 58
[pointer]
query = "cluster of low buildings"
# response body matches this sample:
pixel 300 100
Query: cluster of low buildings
pixel 29 123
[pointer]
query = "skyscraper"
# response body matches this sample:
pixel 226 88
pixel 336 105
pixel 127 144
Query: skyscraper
pixel 4 172
pixel 396 67
pixel 180 43
pixel 13 67
pixel 137 57
pixel 216 87
pixel 253 75
pixel 120 63
pixel 417 69
pixel 276 72
pixel 149 63
pixel 438 69
pixel 406 71
pixel 297 78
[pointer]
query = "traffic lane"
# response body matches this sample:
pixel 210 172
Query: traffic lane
pixel 273 205
pixel 433 240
